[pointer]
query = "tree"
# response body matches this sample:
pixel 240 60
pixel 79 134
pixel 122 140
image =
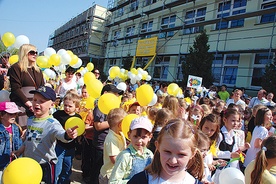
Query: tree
pixel 269 77
pixel 199 61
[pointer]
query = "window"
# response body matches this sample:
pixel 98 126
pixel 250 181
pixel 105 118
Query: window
pixel 134 6
pixel 161 67
pixel 179 74
pixel 225 68
pixel 120 12
pixel 146 27
pixel 148 2
pixel 261 60
pixel 167 22
pixel 116 35
pixel 192 17
pixel 129 32
pixel 233 7
pixel 268 17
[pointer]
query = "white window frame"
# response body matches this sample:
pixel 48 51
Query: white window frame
pixel 195 18
pixel 230 12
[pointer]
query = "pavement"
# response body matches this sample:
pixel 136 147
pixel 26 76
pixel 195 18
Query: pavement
pixel 76 177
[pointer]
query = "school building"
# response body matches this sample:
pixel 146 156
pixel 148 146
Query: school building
pixel 241 37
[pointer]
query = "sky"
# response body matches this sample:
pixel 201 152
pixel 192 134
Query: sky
pixel 37 19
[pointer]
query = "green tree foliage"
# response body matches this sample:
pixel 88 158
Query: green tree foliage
pixel 199 61
pixel 269 78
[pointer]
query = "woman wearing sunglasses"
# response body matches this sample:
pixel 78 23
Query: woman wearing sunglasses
pixel 25 75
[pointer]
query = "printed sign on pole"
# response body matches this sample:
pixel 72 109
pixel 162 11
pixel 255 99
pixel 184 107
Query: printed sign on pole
pixel 194 81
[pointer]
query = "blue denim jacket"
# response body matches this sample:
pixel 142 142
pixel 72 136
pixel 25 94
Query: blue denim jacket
pixel 5 147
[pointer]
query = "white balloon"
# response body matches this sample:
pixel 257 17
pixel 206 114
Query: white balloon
pixel 153 101
pixel 47 72
pixel 138 77
pixel 78 64
pixel 49 51
pixel 122 86
pixel 133 81
pixel 65 59
pixel 20 40
pixel 4 96
pixel 60 52
pixel 140 70
pixel 122 70
pixel 231 175
pixel 80 82
pixel 148 78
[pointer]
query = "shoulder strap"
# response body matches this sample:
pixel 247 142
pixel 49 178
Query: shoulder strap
pixel 32 79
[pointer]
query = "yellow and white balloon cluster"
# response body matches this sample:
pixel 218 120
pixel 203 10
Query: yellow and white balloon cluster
pixel 120 74
pixel 10 41
pixel 58 59
pixel 174 90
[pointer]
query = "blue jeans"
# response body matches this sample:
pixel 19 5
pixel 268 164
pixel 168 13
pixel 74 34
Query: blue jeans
pixel 63 168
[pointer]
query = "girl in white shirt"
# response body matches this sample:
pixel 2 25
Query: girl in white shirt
pixel 263 117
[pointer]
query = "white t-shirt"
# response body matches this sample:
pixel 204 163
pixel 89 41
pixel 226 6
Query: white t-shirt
pixel 239 102
pixel 67 86
pixel 188 179
pixel 258 132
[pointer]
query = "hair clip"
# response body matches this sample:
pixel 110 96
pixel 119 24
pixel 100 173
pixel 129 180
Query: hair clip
pixel 169 125
pixel 264 148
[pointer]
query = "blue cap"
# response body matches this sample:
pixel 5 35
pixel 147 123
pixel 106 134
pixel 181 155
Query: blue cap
pixel 46 92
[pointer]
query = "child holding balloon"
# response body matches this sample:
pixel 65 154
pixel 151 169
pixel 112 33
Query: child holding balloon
pixel 114 143
pixel 42 132
pixel 136 157
pixel 66 151
pixel 10 133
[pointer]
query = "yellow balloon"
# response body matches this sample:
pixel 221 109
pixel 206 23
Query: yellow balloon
pixel 88 76
pixel 144 94
pixel 90 103
pixel 94 88
pixel 75 121
pixel 42 61
pixel 126 123
pixel 8 39
pixel 107 102
pixel 74 60
pixel 90 66
pixel 134 71
pixel 173 89
pixel 70 52
pixel 22 171
pixel 114 71
pixel 13 59
pixel 54 60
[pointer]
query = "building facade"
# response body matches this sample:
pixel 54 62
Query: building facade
pixel 83 34
pixel 241 36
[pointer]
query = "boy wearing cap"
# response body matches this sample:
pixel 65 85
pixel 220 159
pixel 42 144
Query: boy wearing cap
pixel 42 132
pixel 10 133
pixel 137 156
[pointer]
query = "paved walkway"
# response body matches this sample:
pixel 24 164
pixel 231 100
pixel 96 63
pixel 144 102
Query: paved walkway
pixel 76 177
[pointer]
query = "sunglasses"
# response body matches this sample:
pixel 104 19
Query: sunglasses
pixel 96 73
pixel 32 52
pixel 6 57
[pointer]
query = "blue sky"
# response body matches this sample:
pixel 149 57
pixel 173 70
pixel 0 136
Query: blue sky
pixel 37 19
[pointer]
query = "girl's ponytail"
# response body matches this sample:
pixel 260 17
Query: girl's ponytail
pixel 260 165
pixel 196 165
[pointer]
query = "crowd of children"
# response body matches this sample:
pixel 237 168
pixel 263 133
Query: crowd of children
pixel 178 140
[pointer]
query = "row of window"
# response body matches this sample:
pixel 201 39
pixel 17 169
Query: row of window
pixel 225 9
pixel 225 68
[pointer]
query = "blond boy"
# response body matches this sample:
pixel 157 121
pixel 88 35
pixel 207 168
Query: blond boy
pixel 114 143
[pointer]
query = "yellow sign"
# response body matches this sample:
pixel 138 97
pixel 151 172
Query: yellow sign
pixel 146 47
